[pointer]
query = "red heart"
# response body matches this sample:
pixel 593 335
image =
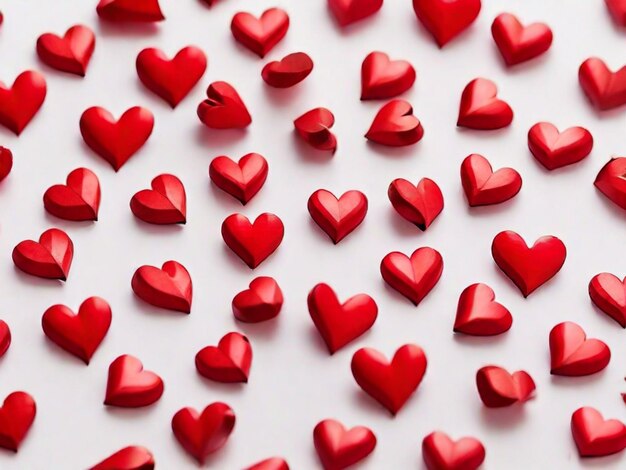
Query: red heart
pixel 611 181
pixel 594 436
pixel 253 242
pixel 413 277
pixel 243 179
pixel 229 362
pixel 78 200
pixel 483 186
pixel 171 79
pixel 314 128
pixel 337 217
pixel 273 463
pixel 6 162
pixel 288 71
pixel 224 108
pixel 118 11
pixel 260 35
pixel 169 287
pixel 49 258
pixel 480 107
pixel 573 355
pixel 419 204
pixel 442 453
pixel 261 302
pixel 554 149
pixel 16 417
pixel 70 53
pixel 604 89
pixel 478 314
pixel 116 141
pixel 165 203
pixel 130 386
pixel 608 293
pixel 203 434
pixel 5 337
pixel 128 458
pixel 79 334
pixel 395 125
pixel 389 383
pixel 518 43
pixel 383 78
pixel 349 11
pixel 617 9
pixel 20 103
pixel 340 323
pixel 338 447
pixel 446 19
pixel 528 268
pixel 497 388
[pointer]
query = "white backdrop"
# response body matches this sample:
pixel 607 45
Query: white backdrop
pixel 294 383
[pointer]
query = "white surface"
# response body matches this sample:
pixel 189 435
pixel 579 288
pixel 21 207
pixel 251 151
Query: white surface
pixel 294 383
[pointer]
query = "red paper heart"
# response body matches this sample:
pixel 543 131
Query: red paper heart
pixel 262 34
pixel 481 108
pixel 228 362
pixel 442 453
pixel 395 125
pixel 242 180
pixel 261 302
pixel 518 43
pixel 314 128
pixel 604 89
pixel 384 78
pixel 617 9
pixel 497 388
pixel 70 53
pixel 169 287
pixel 5 337
pixel 224 108
pixel 20 103
pixel 446 19
pixel 337 217
pixel 165 203
pixel 608 293
pixel 120 11
pixel 288 71
pixel 611 181
pixel 573 355
pixel 478 314
pixel 273 463
pixel 419 204
pixel 130 386
pixel 16 417
pixel 128 458
pixel 594 436
pixel 49 258
pixel 253 242
pixel 554 149
pixel 6 162
pixel 78 199
pixel 483 186
pixel 338 447
pixel 350 11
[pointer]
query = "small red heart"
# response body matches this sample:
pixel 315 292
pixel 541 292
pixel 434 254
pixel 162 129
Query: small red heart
pixel 120 11
pixel 243 179
pixel 528 268
pixel 617 9
pixel 165 203
pixel 594 436
pixel 70 53
pixel 481 108
pixel 608 293
pixel 224 108
pixel 16 417
pixel 314 128
pixel 340 323
pixel 337 217
pixel 130 386
pixel 478 314
pixel 78 199
pixel 273 463
pixel 419 204
pixel 128 458
pixel 288 71
pixel 350 11
pixel 442 453
pixel 253 242
pixel 483 186
pixel 446 19
pixel 203 434
pixel 5 337
pixel 604 89
pixel 395 125
pixel 116 141
pixel 6 162
pixel 518 43
pixel 262 34
pixel 554 149
pixel 49 258
pixel 169 287
pixel 384 78
pixel 79 334
pixel 261 302
pixel 228 362
pixel 611 181
pixel 20 103
pixel 497 388
pixel 338 447
pixel 171 79
pixel 573 355
pixel 389 383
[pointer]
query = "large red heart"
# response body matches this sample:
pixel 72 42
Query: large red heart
pixel 442 453
pixel 478 314
pixel 554 149
pixel 116 141
pixel 384 78
pixel 165 203
pixel 288 71
pixel 262 34
pixel 604 89
pixel 498 388
pixel 20 103
pixel 130 386
pixel 70 53
pixel 349 11
pixel 446 19
pixel 223 108
pixel 314 128
pixel 228 362
pixel 611 181
pixel 78 199
pixel 16 417
pixel 608 292
pixel 518 43
pixel 389 383
pixel 338 447
pixel 481 108
pixel 128 458
pixel 243 179
pixel 6 162
pixel 617 9
pixel 273 463
pixel 5 337
pixel 141 11
pixel 261 302
pixel 253 242
pixel 169 287
pixel 49 258
pixel 528 268
pixel 419 204
pixel 483 186
pixel 395 125
pixel 594 436
pixel 171 79
pixel 337 217
pixel 573 355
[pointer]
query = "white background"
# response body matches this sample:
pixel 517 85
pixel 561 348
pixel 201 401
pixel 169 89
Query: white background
pixel 294 383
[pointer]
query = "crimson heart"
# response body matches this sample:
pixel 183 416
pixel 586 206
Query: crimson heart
pixel 20 103
pixel 224 108
pixel 419 204
pixel 253 242
pixel 338 447
pixel 483 186
pixel 6 162
pixel 604 89
pixel 49 258
pixel 79 334
pixel 165 203
pixel 288 71
pixel 395 125
pixel 16 417
pixel 262 34
pixel 120 11
pixel 314 128
pixel 203 434
pixel 273 463
pixel 350 11
pixel 518 43
pixel 611 181
pixel 389 383
pixel 70 53
pixel 116 141
pixel 481 108
pixel 130 386
pixel 340 323
pixel 554 149
pixel 5 337
pixel 337 217
pixel 384 78
pixel 261 302
pixel 171 79
pixel 169 287
pixel 128 458
pixel 617 9
pixel 608 293
pixel 497 388
pixel 78 199
pixel 573 355
pixel 228 362
pixel 478 314
pixel 243 179
pixel 528 268
pixel 442 453
pixel 446 19
pixel 594 436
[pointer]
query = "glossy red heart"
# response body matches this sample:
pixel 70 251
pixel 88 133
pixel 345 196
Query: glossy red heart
pixel 253 242
pixel 70 53
pixel 446 19
pixel 573 355
pixel 273 463
pixel 78 199
pixel 6 162
pixel 228 362
pixel 617 9
pixel 165 203
pixel 481 108
pixel 608 293
pixel 528 268
pixel 384 78
pixel 20 103
pixel 338 447
pixel 79 334
pixel 224 108
pixel 518 43
pixel 395 125
pixel 288 71
pixel 49 258
pixel 350 11
pixel 594 436
pixel 5 337
pixel 611 181
pixel 121 11
pixel 389 383
pixel 261 302
pixel 242 179
pixel 478 314
pixel 16 417
pixel 483 186
pixel 171 79
pixel 202 434
pixel 130 386
pixel 604 89
pixel 314 128
pixel 169 287
pixel 116 140
pixel 128 458
pixel 554 149
pixel 419 204
pixel 442 453
pixel 260 35
pixel 340 323
pixel 337 217
pixel 498 388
